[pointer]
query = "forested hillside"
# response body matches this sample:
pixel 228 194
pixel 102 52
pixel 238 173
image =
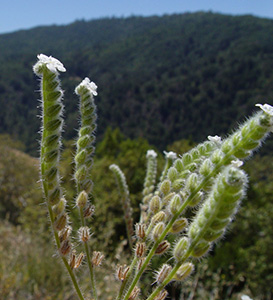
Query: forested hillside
pixel 162 78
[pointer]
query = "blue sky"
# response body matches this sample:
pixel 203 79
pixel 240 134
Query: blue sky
pixel 25 14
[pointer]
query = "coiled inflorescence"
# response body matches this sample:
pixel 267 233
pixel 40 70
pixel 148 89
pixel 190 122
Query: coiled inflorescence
pixel 85 143
pixel 126 204
pixel 47 69
pixel 218 210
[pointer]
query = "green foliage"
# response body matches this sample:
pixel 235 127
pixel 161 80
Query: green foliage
pixel 28 269
pixel 19 175
pixel 165 78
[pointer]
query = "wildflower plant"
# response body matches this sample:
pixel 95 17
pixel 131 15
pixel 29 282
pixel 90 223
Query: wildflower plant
pixel 207 179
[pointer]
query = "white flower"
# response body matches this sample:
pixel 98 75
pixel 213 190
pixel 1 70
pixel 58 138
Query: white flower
pixel 170 155
pixel 216 138
pixel 90 85
pixel 151 153
pixel 268 109
pixel 245 297
pixel 53 64
pixel 237 163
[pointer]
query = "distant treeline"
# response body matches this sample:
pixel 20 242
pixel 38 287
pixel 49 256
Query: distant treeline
pixel 162 78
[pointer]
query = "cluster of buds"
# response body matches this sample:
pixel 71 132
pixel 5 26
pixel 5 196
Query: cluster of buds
pixel 83 203
pixel 149 182
pixel 126 203
pixel 48 68
pixel 85 143
pixel 218 210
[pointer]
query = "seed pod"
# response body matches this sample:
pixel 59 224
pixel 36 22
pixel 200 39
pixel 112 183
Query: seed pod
pixel 140 230
pixel 72 260
pixel 162 295
pixel 163 247
pixel 88 211
pixel 65 247
pixel 134 293
pixel 84 234
pixel 122 272
pixel 79 260
pixel 162 274
pixel 97 258
pixel 140 249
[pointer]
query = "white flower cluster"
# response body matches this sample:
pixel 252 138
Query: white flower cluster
pixel 53 64
pixel 268 109
pixel 90 85
pixel 245 297
pixel 151 153
pixel 170 155
pixel 215 139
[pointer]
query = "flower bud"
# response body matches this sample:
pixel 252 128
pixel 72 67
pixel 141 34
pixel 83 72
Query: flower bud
pixel 54 196
pixel 61 222
pixel 206 167
pixel 172 174
pixel 155 204
pixel 165 187
pixel 180 248
pixel 81 157
pixel 197 199
pixel 157 231
pixel 186 159
pixel 175 204
pixel 82 199
pixel 184 271
pixel 179 225
pixel 159 217
pixel 168 198
pixel 179 165
pixel 192 182
pixel 59 207
pixel 200 249
pixel 212 235
pixel 178 184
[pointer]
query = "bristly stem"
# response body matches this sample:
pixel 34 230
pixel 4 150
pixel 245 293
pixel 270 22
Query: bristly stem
pixel 47 69
pixel 86 90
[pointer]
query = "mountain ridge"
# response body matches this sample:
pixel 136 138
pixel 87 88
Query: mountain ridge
pixel 162 78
